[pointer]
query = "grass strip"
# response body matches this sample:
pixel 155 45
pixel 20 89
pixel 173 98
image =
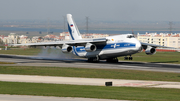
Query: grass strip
pixel 7 63
pixel 59 90
pixel 91 73
pixel 159 57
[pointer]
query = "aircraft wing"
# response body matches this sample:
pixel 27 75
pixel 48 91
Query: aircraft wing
pixel 153 45
pixel 81 42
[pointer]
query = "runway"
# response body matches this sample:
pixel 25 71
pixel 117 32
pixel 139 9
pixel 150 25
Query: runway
pixel 82 63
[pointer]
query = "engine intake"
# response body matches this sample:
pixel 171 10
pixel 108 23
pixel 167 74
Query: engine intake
pixel 90 47
pixel 66 48
pixel 150 51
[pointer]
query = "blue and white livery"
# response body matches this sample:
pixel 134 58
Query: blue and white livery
pixel 108 48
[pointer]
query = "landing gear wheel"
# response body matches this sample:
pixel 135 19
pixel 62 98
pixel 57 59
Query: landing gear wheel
pixel 126 58
pixel 94 59
pixel 130 58
pixel 112 60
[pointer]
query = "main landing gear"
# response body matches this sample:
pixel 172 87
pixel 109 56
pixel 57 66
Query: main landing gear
pixel 113 60
pixel 128 58
pixel 93 59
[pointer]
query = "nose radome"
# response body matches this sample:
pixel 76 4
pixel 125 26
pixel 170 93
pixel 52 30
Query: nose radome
pixel 138 44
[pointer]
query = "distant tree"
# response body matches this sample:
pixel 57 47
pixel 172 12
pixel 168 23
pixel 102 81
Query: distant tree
pixel 1 42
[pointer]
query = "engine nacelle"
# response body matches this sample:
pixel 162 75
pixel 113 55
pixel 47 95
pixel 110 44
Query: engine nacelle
pixel 66 48
pixel 150 51
pixel 90 47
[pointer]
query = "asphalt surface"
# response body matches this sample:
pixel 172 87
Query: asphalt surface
pixel 46 61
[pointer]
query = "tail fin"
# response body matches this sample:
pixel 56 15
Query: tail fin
pixel 73 30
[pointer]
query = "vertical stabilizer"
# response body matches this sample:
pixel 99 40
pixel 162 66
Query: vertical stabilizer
pixel 73 30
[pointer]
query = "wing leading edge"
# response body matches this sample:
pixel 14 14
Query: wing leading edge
pixel 153 45
pixel 81 42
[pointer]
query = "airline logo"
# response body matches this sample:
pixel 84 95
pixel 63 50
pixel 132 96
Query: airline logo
pixel 71 25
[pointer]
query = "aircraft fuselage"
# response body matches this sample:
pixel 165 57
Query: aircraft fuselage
pixel 119 45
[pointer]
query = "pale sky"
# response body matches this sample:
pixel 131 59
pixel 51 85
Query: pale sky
pixel 98 10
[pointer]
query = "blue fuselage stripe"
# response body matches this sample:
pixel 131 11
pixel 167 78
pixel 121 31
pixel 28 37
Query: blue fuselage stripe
pixel 74 50
pixel 109 46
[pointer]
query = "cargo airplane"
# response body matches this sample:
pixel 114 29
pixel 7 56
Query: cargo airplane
pixel 108 48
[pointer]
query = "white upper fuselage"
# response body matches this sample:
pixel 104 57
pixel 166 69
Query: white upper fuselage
pixel 119 45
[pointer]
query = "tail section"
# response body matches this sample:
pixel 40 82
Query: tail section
pixel 73 30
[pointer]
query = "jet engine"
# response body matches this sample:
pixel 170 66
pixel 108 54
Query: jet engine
pixel 66 48
pixel 90 47
pixel 150 51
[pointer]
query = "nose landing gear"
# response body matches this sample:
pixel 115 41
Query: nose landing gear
pixel 128 58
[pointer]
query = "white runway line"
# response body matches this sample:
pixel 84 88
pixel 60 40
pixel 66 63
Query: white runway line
pixel 87 81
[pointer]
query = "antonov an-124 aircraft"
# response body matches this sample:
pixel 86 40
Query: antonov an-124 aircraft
pixel 108 48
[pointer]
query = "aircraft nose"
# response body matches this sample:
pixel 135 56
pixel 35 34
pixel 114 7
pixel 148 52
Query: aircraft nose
pixel 138 45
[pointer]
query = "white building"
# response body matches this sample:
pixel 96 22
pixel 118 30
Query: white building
pixel 12 38
pixel 163 39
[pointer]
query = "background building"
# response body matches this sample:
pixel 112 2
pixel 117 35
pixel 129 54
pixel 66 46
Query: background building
pixel 163 39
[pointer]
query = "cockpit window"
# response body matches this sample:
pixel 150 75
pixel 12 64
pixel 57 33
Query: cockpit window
pixel 130 36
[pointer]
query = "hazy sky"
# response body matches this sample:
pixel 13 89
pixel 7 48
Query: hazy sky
pixel 98 10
